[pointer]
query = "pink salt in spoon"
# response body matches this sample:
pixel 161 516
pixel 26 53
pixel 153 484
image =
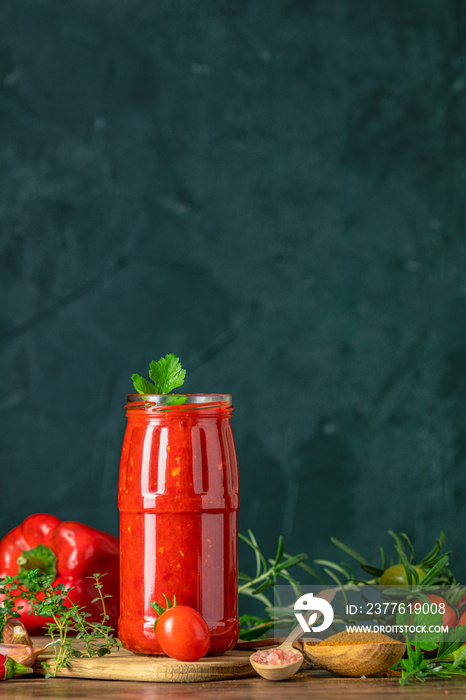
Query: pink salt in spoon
pixel 279 672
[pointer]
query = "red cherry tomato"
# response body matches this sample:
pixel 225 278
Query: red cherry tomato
pixel 183 633
pixel 450 616
pixel 462 620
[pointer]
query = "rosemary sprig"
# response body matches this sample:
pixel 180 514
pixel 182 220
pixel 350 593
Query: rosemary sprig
pixel 432 569
pixel 268 571
pixel 266 576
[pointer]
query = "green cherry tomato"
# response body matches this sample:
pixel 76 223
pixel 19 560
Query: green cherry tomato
pixel 183 633
pixel 396 575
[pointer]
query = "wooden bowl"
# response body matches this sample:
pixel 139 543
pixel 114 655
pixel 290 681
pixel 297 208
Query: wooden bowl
pixel 355 659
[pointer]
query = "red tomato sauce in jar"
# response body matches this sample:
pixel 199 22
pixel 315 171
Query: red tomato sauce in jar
pixel 178 501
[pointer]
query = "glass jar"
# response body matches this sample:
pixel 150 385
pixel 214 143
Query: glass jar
pixel 178 501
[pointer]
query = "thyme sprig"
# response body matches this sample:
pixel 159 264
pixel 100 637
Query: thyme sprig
pixel 70 628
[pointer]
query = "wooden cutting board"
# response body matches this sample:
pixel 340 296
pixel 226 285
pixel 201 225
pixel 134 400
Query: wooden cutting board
pixel 123 665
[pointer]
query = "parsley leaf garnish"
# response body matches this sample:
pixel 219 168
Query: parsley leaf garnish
pixel 166 374
pixel 142 386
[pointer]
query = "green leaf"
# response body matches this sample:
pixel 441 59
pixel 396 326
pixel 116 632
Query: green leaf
pixel 311 572
pixel 176 400
pixel 102 651
pixel 158 608
pixel 383 558
pixel 399 548
pixel 143 386
pixel 252 627
pixel 168 601
pixel 372 570
pixel 292 561
pixel 241 577
pixel 279 553
pixel 261 564
pixel 436 569
pixel 432 555
pixel 263 587
pixel 410 546
pixel 348 550
pixel 455 641
pixel 332 565
pixel 334 577
pixel 260 596
pixel 460 656
pixel 167 374
pixel 412 576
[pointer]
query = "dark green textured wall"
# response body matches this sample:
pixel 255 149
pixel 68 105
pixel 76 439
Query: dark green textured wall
pixel 274 190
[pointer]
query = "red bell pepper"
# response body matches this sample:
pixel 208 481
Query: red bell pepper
pixel 10 668
pixel 70 551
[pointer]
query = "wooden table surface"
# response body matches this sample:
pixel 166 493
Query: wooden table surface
pixel 307 684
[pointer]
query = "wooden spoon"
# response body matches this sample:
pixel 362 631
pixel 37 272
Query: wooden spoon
pixel 278 672
pixel 355 659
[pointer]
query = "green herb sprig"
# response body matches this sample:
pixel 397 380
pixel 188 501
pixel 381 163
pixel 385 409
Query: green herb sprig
pixel 266 575
pixel 417 668
pixel 432 569
pixel 70 622
pixel 166 374
pixel 449 659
